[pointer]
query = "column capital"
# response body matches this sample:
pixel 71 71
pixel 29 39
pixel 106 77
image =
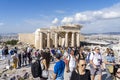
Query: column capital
pixel 48 31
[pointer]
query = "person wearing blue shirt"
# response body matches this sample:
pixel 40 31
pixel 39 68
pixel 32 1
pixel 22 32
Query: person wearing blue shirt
pixel 59 68
pixel 109 61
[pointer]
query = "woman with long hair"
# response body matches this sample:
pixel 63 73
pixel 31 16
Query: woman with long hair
pixel 109 61
pixel 45 62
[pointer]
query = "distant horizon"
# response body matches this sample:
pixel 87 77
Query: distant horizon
pixel 25 16
pixel 81 33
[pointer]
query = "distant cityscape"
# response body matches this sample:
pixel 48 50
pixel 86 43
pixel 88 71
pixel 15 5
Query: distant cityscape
pixel 110 37
pixel 8 36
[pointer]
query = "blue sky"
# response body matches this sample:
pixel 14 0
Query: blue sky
pixel 22 16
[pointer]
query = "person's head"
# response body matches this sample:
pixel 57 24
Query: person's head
pixel 72 52
pixel 46 56
pixel 107 51
pixel 81 64
pixel 81 50
pixel 112 52
pixel 57 56
pixel 97 50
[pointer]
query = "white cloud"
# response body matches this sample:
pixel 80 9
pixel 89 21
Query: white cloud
pixel 105 13
pixel 55 21
pixel 93 20
pixel 1 24
pixel 67 20
pixel 111 14
pixel 81 17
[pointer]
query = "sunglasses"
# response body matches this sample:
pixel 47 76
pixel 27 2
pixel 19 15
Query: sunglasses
pixel 83 65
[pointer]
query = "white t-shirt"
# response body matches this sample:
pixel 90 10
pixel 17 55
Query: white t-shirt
pixel 97 58
pixel 72 62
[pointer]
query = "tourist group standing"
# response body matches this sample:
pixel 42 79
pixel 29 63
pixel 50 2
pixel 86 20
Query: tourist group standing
pixel 80 63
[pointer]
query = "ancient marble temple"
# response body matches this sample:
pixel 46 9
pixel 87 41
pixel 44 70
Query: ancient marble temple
pixel 65 36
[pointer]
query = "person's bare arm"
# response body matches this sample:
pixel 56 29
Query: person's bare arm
pixel 54 76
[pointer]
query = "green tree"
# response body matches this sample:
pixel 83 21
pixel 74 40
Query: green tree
pixel 12 42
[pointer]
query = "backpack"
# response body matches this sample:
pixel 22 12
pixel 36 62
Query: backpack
pixel 88 58
pixel 11 52
pixel 36 69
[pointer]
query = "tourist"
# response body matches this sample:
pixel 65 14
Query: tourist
pixel 88 56
pixel 6 54
pixel 80 73
pixel 72 61
pixel 29 52
pixel 52 51
pixel 45 63
pixel 1 56
pixel 81 54
pixel 96 64
pixel 24 57
pixel 65 56
pixel 15 60
pixel 109 61
pixel 58 68
pixel 19 59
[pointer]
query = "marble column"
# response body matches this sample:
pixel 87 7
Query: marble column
pixel 56 40
pixel 48 39
pixel 78 39
pixel 73 39
pixel 41 40
pixel 66 39
pixel 60 40
pixel 37 39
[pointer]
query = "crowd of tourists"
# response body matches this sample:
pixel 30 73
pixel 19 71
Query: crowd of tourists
pixel 80 63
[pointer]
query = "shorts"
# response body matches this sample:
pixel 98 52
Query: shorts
pixel 94 71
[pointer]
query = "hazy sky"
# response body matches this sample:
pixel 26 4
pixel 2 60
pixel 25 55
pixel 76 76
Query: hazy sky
pixel 28 15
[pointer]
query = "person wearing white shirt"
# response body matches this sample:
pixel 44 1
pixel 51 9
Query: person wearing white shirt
pixel 96 64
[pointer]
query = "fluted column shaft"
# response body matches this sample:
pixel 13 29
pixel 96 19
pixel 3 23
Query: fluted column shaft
pixel 78 39
pixel 56 40
pixel 41 40
pixel 66 39
pixel 37 39
pixel 48 39
pixel 73 38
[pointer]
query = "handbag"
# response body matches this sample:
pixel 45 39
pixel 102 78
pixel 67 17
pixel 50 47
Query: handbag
pixel 110 68
pixel 45 73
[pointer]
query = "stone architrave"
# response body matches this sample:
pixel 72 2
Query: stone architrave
pixel 48 39
pixel 41 40
pixel 66 39
pixel 56 39
pixel 73 38
pixel 78 39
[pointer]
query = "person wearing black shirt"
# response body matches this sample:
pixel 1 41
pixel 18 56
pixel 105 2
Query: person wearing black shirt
pixel 80 73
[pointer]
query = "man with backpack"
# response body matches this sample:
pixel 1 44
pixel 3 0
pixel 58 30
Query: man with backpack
pixel 96 64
